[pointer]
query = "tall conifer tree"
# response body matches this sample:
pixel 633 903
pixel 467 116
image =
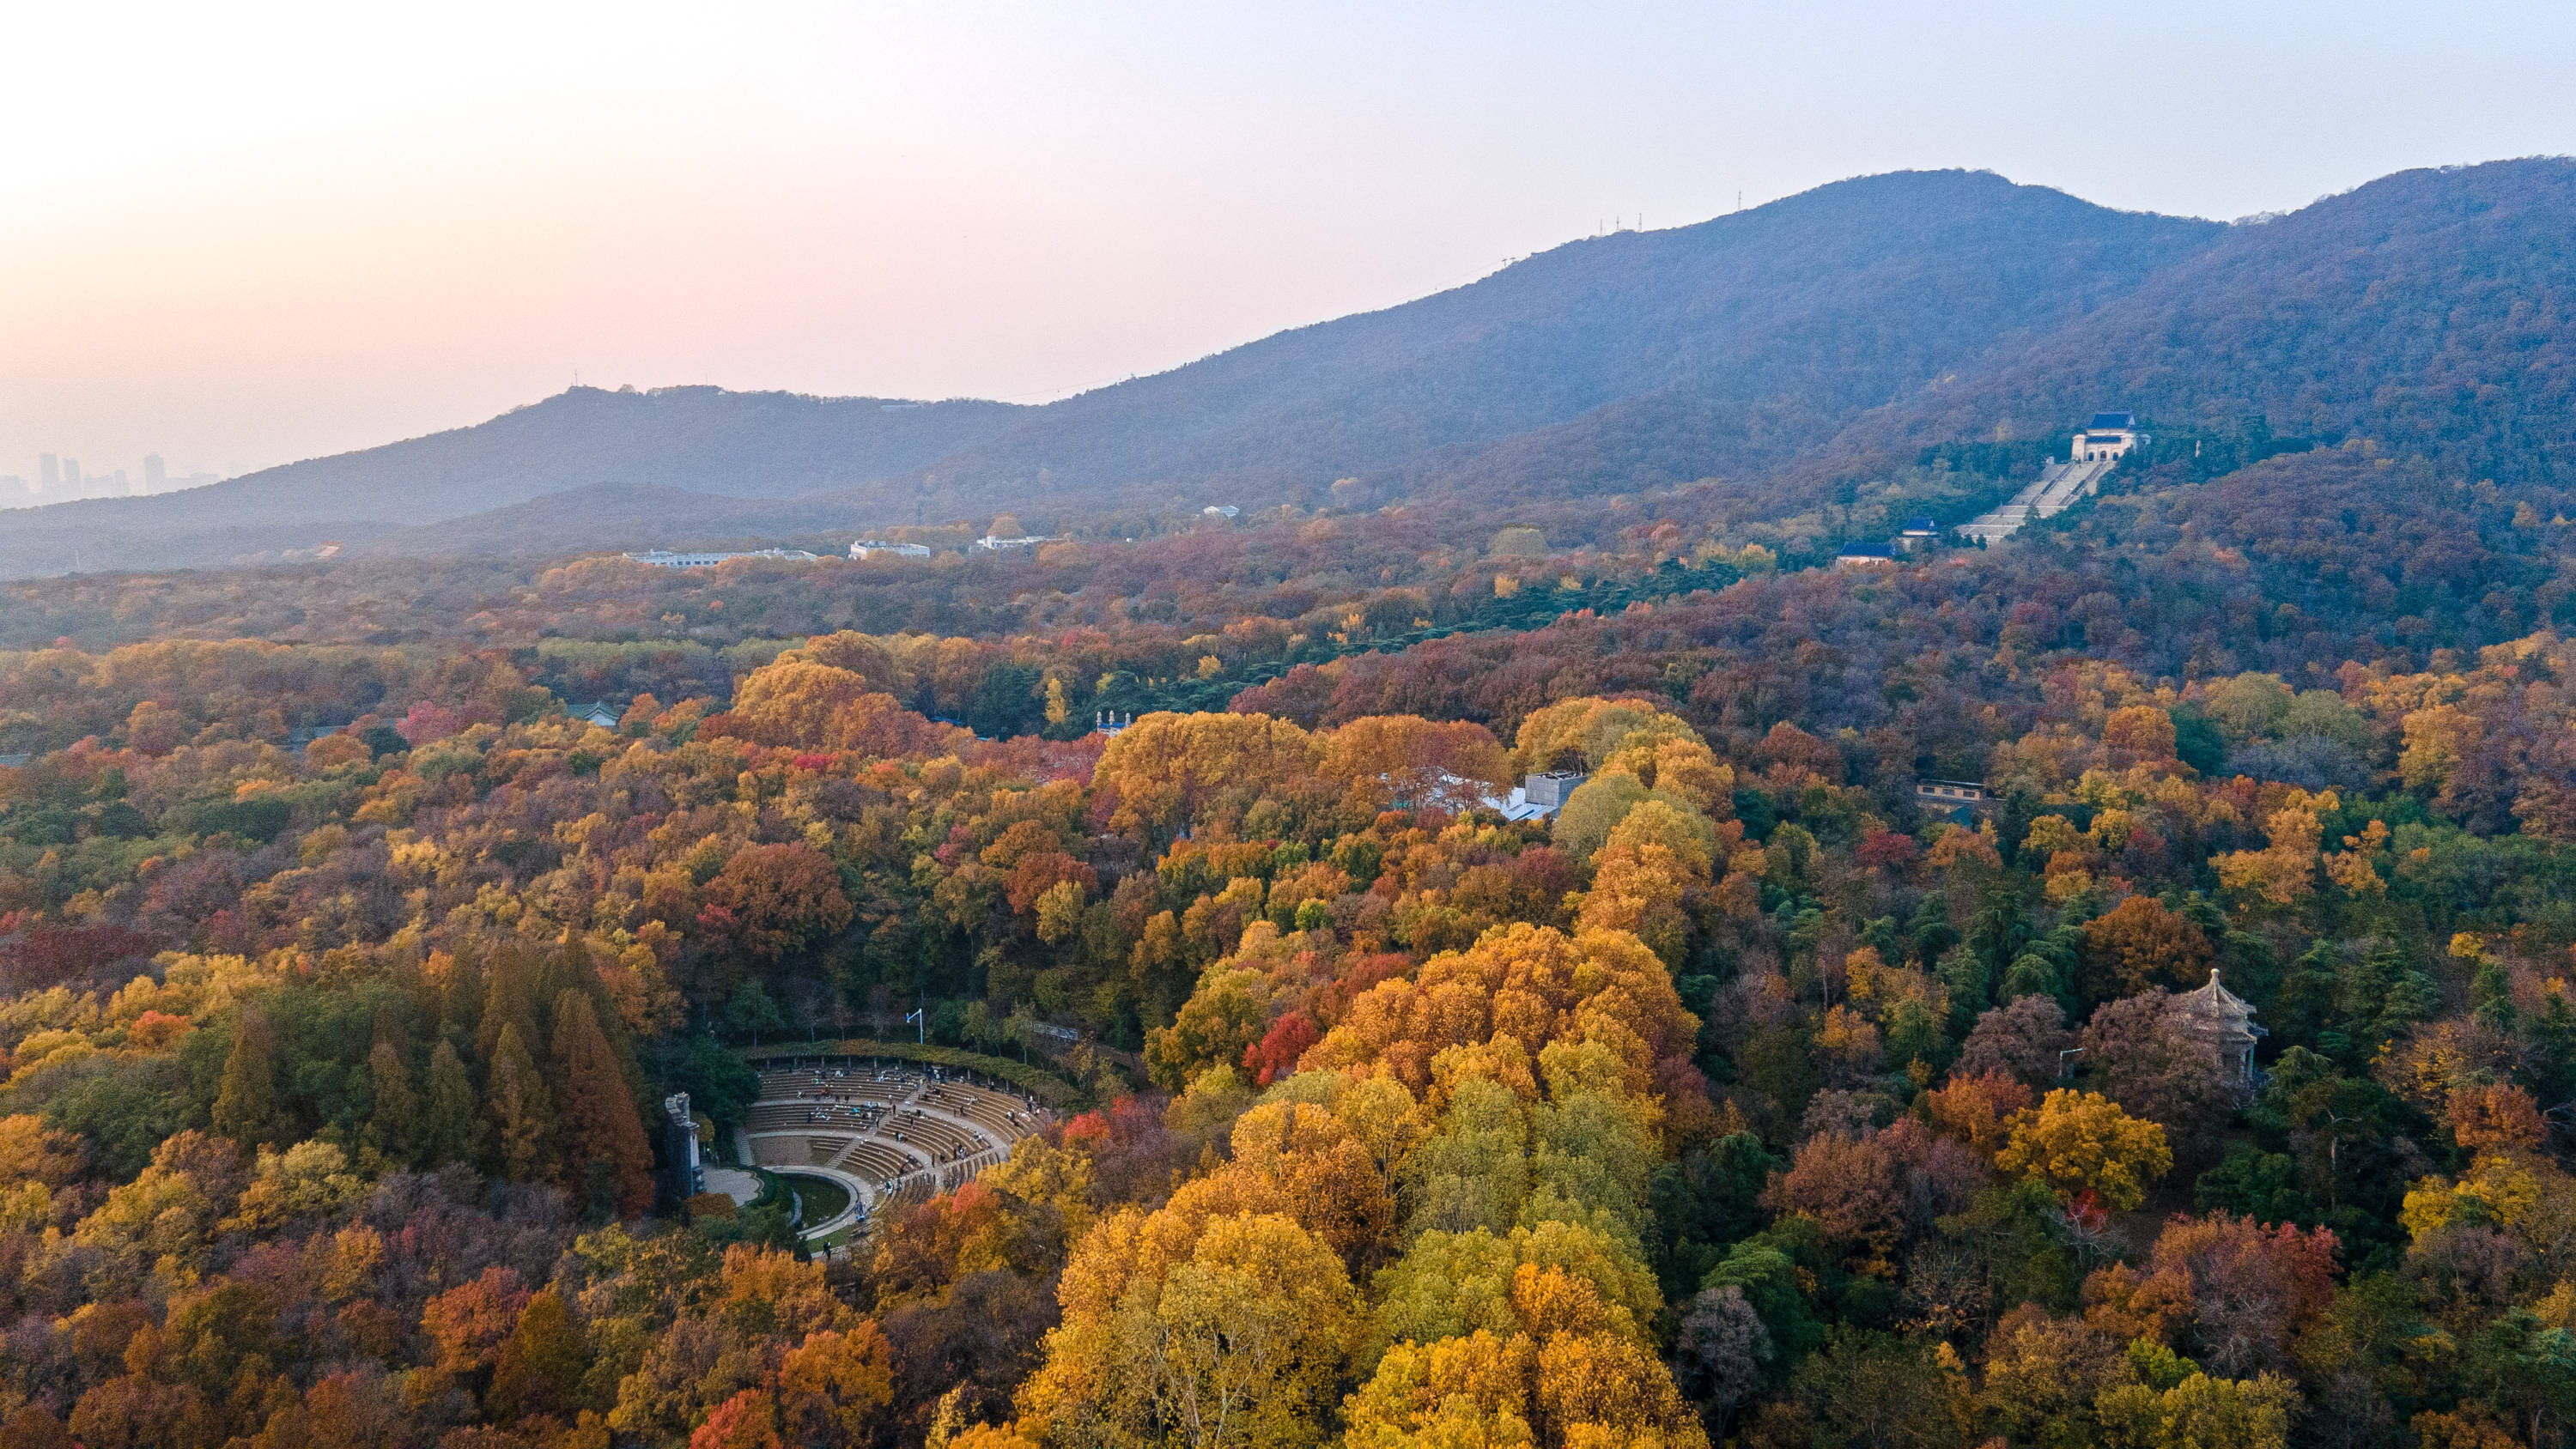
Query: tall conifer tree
pixel 394 1126
pixel 520 1109
pixel 603 1136
pixel 450 1131
pixel 246 1100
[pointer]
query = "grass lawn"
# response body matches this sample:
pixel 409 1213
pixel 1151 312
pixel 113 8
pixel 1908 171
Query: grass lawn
pixel 822 1198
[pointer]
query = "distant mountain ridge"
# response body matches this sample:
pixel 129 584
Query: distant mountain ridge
pixel 1834 330
pixel 1770 328
pixel 746 445
pixel 738 444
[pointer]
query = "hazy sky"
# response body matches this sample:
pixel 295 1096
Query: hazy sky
pixel 248 233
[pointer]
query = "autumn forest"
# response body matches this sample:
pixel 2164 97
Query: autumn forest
pixel 2109 987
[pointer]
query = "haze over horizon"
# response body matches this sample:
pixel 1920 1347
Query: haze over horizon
pixel 271 237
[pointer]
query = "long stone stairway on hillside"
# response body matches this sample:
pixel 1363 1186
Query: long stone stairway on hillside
pixel 2058 486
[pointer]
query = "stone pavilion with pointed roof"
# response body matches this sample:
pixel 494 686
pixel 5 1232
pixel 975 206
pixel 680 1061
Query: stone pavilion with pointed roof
pixel 2221 1018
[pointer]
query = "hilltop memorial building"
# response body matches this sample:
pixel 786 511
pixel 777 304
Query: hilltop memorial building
pixel 2109 435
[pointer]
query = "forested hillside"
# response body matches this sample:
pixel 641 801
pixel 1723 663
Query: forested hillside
pixel 1765 329
pixel 2429 311
pixel 1771 328
pixel 1777 351
pixel 1746 1098
pixel 2206 1082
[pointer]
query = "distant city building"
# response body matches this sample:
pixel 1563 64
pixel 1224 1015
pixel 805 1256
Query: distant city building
pixel 866 546
pixel 1221 510
pixel 71 472
pixel 990 544
pixel 156 474
pixel 665 559
pixel 49 472
pixel 2109 435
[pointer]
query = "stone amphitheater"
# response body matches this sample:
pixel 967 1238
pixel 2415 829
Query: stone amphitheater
pixel 890 1132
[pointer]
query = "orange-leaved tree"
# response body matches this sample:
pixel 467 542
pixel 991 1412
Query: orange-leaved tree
pixel 1166 769
pixel 1406 762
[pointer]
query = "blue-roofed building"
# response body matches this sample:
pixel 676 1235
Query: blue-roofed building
pixel 1866 556
pixel 2108 436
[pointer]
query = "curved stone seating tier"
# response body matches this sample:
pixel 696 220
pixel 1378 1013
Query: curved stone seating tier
pixel 993 1112
pixel 975 1133
pixel 958 1174
pixel 825 1149
pixel 796 1116
pixel 877 1161
pixel 853 1089
pixel 936 1135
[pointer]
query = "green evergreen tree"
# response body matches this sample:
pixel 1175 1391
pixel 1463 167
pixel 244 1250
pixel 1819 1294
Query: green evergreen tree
pixel 1930 930
pixel 394 1126
pixel 2309 991
pixel 520 1110
pixel 2385 996
pixel 2491 996
pixel 389 1029
pixel 246 1098
pixel 2555 1032
pixel 449 1130
pixel 1962 969
pixel 460 997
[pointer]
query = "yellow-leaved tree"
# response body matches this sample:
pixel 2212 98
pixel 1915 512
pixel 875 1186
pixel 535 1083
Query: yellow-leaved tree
pixel 1167 769
pixel 1205 1330
pixel 2081 1141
